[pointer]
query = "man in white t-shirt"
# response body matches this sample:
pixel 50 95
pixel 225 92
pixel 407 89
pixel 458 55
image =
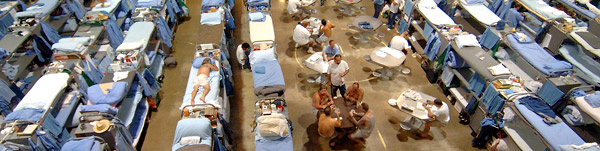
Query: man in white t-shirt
pixel 399 42
pixel 499 144
pixel 395 8
pixel 242 53
pixel 294 8
pixel 338 69
pixel 302 36
pixel 438 117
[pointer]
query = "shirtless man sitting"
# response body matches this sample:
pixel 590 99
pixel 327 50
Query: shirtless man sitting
pixel 354 95
pixel 325 32
pixel 321 100
pixel 202 79
pixel 327 125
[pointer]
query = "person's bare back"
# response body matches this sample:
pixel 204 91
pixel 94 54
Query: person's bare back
pixel 327 30
pixel 326 126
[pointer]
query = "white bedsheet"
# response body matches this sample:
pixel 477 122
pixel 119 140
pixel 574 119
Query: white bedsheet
pixel 585 107
pixel 110 6
pixel 260 31
pixel 481 13
pixel 585 45
pixel 433 13
pixel 44 91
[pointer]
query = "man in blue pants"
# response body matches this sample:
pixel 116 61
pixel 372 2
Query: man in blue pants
pixel 378 5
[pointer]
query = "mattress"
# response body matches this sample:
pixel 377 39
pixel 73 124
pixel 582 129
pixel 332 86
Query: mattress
pixel 585 107
pixel 212 96
pixel 139 121
pixel 39 11
pixel 44 91
pixel 139 32
pixel 258 3
pixel 129 105
pixel 481 13
pixel 434 14
pixel 206 4
pixel 272 74
pixel 542 8
pixel 537 56
pixel 473 55
pixel 110 8
pixel 285 143
pixel 555 134
pixel 192 127
pixel 579 10
pixel 575 56
pixel 260 31
pixel 588 40
pixel 148 3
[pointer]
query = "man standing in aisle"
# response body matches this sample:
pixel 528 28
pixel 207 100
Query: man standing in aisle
pixel 394 11
pixel 378 5
pixel 338 69
pixel 242 53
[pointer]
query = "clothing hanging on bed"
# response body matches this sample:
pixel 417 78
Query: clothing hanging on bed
pixel 76 7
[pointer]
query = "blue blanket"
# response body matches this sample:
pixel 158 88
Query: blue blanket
pixel 103 108
pixel 87 144
pixel 192 127
pixel 538 57
pixel 555 134
pixel 148 3
pixel 38 10
pixel 272 74
pixel 25 114
pixel 583 11
pixel 114 95
pixel 538 106
pixel 285 143
pixel 212 2
pixel 593 100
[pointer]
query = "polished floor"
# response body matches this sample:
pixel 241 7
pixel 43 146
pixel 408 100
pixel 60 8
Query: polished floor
pixel 387 134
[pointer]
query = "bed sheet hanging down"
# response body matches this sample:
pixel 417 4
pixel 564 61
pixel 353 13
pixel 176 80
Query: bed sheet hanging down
pixel 115 35
pixel 488 39
pixel 492 99
pixel 433 46
pixel 550 93
pixel 50 34
pixel 77 8
pixel 576 56
pixel 165 32
pixel 476 84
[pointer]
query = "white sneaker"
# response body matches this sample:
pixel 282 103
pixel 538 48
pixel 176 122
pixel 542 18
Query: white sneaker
pixel 335 97
pixel 384 24
pixel 310 50
pixel 389 29
pixel 296 46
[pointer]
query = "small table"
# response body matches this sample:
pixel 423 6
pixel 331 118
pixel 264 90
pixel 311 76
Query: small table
pixel 347 6
pixel 315 62
pixel 410 102
pixel 305 10
pixel 387 62
pixel 364 34
pixel 347 126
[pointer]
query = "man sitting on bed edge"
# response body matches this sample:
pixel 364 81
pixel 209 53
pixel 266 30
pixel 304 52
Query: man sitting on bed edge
pixel 202 79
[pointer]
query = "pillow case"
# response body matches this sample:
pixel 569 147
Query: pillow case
pixel 262 56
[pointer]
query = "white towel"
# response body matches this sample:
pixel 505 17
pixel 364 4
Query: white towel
pixel 120 75
pixel 469 40
pixel 190 140
pixel 381 54
pixel 499 70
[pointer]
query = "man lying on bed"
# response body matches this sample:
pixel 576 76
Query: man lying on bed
pixel 202 79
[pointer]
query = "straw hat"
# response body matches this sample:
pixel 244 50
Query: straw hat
pixel 101 126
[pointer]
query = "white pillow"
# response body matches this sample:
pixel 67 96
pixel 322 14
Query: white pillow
pixel 190 140
pixel 130 46
pixel 262 56
pixel 467 40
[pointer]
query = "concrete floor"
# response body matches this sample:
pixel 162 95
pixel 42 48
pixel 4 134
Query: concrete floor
pixel 387 134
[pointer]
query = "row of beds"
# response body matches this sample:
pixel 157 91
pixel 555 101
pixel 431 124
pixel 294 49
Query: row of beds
pixel 93 78
pixel 207 123
pixel 465 61
pixel 272 126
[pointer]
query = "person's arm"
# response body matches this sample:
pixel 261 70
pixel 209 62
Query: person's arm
pixel 213 67
pixel 330 98
pixel 338 122
pixel 316 103
pixel 325 58
pixel 345 72
pixel 352 120
pixel 329 78
pixel 360 95
pixel 494 147
pixel 429 113
pixel 347 95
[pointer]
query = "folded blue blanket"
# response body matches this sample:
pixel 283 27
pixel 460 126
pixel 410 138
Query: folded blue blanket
pixel 87 144
pixel 113 96
pixel 25 114
pixel 538 106
pixel 210 18
pixel 103 108
pixel 593 100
